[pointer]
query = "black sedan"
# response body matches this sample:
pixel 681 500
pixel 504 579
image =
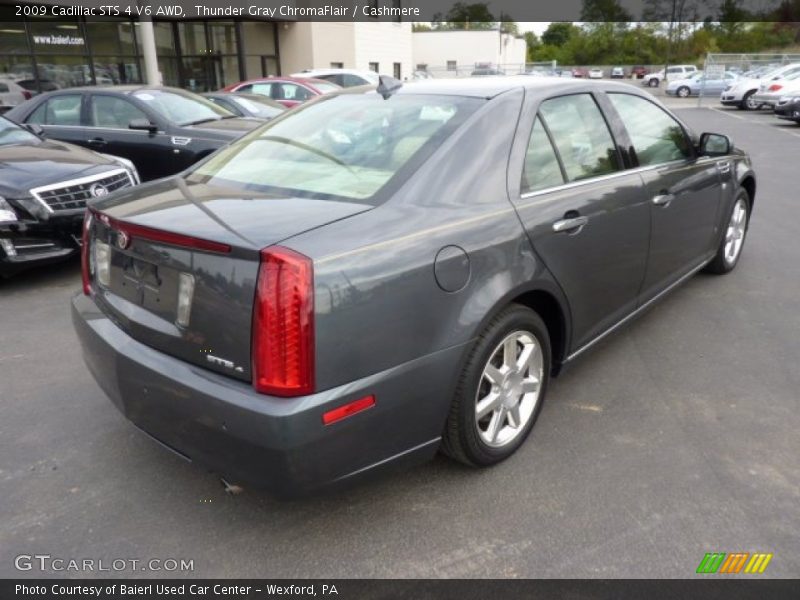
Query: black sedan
pixel 256 106
pixel 162 130
pixel 44 187
pixel 788 108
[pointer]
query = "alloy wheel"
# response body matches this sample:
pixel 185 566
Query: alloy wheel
pixel 508 390
pixel 683 92
pixel 734 236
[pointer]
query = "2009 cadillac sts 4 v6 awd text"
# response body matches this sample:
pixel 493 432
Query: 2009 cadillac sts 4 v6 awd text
pixel 382 273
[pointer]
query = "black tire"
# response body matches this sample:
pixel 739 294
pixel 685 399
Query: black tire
pixel 721 263
pixel 747 104
pixel 653 82
pixel 683 92
pixel 461 439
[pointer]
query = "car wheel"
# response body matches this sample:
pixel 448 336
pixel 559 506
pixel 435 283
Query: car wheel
pixel 749 102
pixel 653 82
pixel 730 248
pixel 501 389
pixel 684 91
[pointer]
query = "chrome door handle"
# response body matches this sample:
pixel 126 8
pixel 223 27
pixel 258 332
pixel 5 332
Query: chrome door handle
pixel 724 167
pixel 572 225
pixel 663 199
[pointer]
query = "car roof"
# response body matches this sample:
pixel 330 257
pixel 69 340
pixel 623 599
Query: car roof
pixel 332 71
pixel 489 87
pixel 290 78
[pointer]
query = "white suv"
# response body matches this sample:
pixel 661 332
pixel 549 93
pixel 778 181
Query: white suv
pixel 674 72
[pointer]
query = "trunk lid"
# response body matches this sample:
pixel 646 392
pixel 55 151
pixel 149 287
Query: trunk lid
pixel 158 236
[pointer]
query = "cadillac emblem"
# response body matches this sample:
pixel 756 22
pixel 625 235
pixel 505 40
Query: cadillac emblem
pixel 98 190
pixel 123 240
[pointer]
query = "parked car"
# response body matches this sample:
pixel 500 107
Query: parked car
pixel 638 71
pixel 486 72
pixel 580 72
pixel 162 130
pixel 352 287
pixel 770 92
pixel 44 188
pixel 255 106
pixel 33 87
pixel 674 72
pixel 741 93
pixel 617 73
pixel 289 91
pixel 11 94
pixel 342 77
pixel 596 73
pixel 700 85
pixel 788 107
pixel 418 74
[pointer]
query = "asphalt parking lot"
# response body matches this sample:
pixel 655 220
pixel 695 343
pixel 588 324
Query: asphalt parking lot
pixel 677 436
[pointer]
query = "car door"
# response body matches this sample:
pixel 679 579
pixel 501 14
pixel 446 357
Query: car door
pixel 684 190
pixel 109 118
pixel 585 215
pixel 61 117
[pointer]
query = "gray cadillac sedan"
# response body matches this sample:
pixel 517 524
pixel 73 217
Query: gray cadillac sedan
pixel 379 274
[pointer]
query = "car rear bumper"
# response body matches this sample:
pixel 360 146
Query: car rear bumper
pixel 277 444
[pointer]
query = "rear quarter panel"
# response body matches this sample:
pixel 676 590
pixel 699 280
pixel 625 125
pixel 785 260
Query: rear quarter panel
pixel 378 303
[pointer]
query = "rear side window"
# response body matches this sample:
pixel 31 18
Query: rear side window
pixel 581 135
pixel 3 88
pixel 289 91
pixel 60 110
pixel 657 137
pixel 541 169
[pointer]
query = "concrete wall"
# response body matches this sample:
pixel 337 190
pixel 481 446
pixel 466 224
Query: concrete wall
pixel 315 45
pixel 385 43
pixel 466 48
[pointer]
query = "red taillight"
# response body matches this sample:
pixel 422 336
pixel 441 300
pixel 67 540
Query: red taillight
pixel 26 94
pixel 347 410
pixel 775 87
pixel 85 275
pixel 283 324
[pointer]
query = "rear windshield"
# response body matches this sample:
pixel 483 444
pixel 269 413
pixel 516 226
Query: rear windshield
pixel 348 146
pixel 325 87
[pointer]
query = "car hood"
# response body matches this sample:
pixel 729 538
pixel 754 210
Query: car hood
pixel 25 166
pixel 232 216
pixel 224 128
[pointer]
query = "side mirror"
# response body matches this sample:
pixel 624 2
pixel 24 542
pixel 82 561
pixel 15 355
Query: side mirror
pixel 143 125
pixel 714 144
pixel 35 129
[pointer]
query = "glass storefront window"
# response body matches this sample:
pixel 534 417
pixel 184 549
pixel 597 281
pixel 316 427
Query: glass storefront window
pixel 63 71
pixel 223 37
pixel 115 70
pixel 165 42
pixel 193 38
pixel 57 36
pixel 111 37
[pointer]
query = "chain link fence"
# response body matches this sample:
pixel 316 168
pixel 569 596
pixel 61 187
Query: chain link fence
pixel 754 66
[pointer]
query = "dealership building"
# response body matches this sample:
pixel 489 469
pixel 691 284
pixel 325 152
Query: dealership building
pixel 45 53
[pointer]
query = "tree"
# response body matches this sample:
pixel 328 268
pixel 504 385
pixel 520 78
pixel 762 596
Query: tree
pixel 465 16
pixel 558 34
pixel 609 11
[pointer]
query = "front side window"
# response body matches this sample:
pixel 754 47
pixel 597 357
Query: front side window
pixel 344 147
pixel 59 110
pixel 290 91
pixel 541 169
pixel 113 113
pixel 581 135
pixel 656 136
